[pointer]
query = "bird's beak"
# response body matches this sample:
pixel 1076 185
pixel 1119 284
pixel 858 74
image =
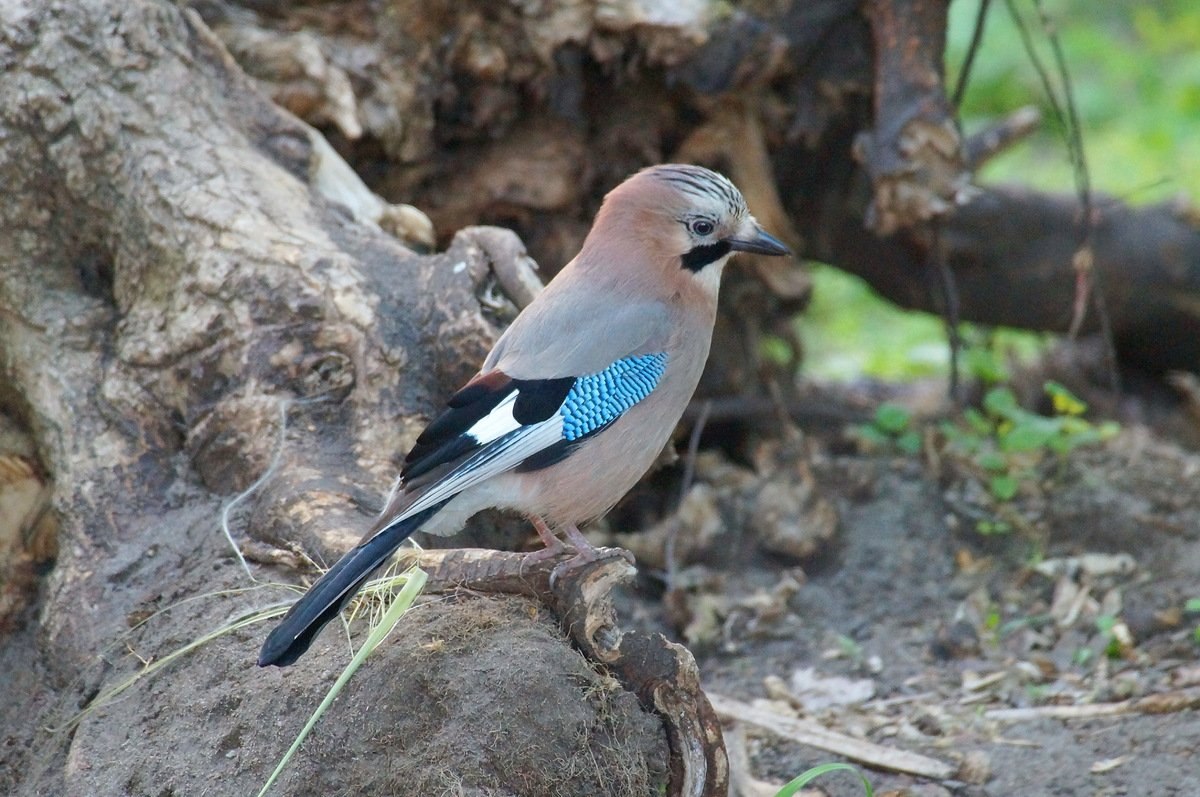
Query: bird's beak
pixel 759 242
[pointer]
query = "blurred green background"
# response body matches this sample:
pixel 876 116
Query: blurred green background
pixel 1135 74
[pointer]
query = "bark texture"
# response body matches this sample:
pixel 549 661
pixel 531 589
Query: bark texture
pixel 832 116
pixel 181 304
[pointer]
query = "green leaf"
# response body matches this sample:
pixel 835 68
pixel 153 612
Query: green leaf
pixel 776 350
pixel 1068 443
pixel 1065 402
pixel 872 436
pixel 1004 487
pixel 1031 434
pixel 849 648
pixel 987 527
pixel 892 418
pixel 1192 606
pixel 1001 402
pixel 977 421
pixel 909 442
pixel 985 364
pixel 992 461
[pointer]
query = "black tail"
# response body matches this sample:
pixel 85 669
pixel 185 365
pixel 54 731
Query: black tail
pixel 325 599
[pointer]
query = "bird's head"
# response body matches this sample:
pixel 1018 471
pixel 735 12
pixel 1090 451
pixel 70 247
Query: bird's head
pixel 690 218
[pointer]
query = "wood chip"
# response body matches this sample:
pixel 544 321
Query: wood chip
pixel 814 735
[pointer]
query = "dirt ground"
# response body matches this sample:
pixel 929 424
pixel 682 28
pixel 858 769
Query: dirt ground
pixel 913 630
pixel 809 577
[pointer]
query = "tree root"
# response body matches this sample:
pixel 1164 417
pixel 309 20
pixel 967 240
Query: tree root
pixel 662 674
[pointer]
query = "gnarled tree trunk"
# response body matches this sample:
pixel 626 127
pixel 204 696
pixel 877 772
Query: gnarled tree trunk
pixel 182 309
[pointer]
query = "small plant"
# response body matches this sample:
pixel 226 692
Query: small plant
pixel 847 648
pixel 986 364
pixel 891 428
pixel 1192 607
pixel 1009 444
pixel 1106 624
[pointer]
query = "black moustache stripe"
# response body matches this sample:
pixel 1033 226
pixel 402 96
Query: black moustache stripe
pixel 702 256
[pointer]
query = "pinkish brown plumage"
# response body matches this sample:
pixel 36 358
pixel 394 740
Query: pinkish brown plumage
pixel 579 395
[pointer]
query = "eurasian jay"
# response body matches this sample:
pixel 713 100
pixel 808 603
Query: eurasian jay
pixel 581 393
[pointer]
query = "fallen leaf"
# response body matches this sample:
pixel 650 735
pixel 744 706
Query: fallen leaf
pixel 815 692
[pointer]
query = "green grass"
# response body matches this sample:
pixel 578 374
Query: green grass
pixel 1135 70
pixel 850 332
pixel 794 786
pixel 393 608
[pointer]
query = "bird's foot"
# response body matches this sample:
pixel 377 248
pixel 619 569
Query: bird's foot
pixel 554 546
pixel 549 552
pixel 583 549
pixel 585 552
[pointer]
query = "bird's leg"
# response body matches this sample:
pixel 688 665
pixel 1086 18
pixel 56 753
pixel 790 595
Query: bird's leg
pixel 554 546
pixel 544 533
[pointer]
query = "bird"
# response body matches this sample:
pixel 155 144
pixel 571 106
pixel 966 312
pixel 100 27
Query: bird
pixel 579 395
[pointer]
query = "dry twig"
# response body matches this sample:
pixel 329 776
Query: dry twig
pixel 1163 703
pixel 814 735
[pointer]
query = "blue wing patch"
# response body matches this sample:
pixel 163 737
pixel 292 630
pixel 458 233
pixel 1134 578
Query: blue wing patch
pixel 597 400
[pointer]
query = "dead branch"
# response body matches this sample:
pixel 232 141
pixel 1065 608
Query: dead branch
pixel 981 147
pixel 1010 251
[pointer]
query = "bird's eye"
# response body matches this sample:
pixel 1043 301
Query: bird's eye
pixel 701 227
